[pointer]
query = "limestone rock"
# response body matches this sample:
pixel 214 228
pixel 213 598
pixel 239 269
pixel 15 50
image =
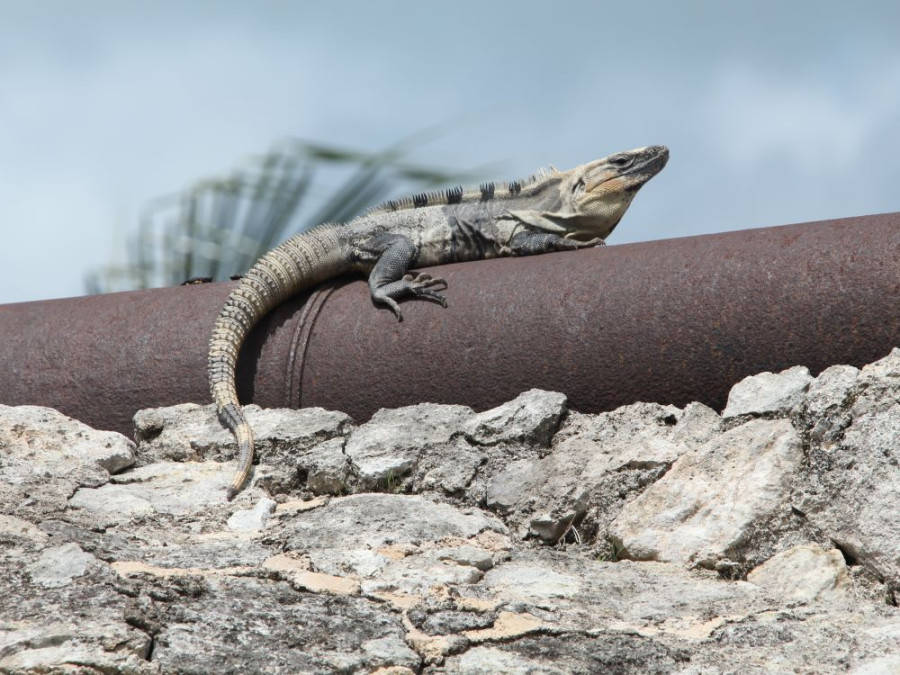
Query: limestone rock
pixel 878 383
pixel 703 509
pixel 193 432
pixel 467 555
pixel 327 468
pixel 430 447
pixel 20 532
pixel 531 417
pixel 419 575
pixel 84 647
pixel 853 490
pixel 59 565
pixel 767 393
pixel 412 558
pixel 175 488
pixel 489 660
pixel 885 665
pixel 395 442
pixel 547 655
pixel 596 462
pixel 249 520
pixel 372 521
pixel 45 456
pixel 61 612
pixel 289 444
pixel 804 573
pixel 253 625
pixel 828 402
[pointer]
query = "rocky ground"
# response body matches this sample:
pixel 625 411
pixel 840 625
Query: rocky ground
pixel 526 539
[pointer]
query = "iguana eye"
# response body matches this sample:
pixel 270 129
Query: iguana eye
pixel 621 161
pixel 578 187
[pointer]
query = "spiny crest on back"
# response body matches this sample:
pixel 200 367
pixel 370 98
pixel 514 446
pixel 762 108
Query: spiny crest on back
pixel 458 194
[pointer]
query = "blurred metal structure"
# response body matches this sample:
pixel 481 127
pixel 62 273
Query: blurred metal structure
pixel 671 321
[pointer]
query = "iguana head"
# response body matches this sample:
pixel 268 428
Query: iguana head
pixel 589 201
pixel 595 196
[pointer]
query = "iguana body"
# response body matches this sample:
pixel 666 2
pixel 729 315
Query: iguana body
pixel 551 211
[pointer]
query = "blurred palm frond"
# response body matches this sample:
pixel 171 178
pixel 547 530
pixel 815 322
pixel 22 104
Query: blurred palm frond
pixel 221 226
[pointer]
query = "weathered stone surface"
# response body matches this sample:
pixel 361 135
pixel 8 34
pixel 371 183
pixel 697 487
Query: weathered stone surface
pixel 175 488
pixel 191 432
pixel 551 655
pixel 878 384
pixel 291 445
pixel 58 647
pixel 20 532
pixel 249 520
pixel 531 417
pixel 597 461
pixel 61 612
pixel 804 573
pixel 429 447
pixel 46 442
pixel 886 665
pixel 45 456
pixel 703 509
pixel 375 520
pixel 180 547
pixel 392 444
pixel 794 641
pixel 252 625
pixel 578 594
pixel 533 583
pixel 180 433
pixel 418 564
pixel 390 651
pixel 831 390
pixel 58 566
pixel 828 403
pixel 327 468
pixel 418 575
pixel 768 393
pixel 853 491
pixel 467 555
pixel 451 621
pixel 296 570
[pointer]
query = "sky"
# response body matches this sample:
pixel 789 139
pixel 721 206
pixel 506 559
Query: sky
pixel 774 112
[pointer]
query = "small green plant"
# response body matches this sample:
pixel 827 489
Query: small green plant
pixel 393 482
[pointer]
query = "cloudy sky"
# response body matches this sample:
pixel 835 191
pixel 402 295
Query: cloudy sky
pixel 775 112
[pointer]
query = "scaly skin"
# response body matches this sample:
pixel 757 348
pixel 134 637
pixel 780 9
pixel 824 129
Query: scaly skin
pixel 551 211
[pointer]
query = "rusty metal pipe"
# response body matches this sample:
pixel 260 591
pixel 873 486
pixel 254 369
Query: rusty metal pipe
pixel 670 321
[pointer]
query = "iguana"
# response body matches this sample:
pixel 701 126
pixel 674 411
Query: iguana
pixel 550 211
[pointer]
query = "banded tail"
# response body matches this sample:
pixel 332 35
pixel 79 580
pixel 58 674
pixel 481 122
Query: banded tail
pixel 300 262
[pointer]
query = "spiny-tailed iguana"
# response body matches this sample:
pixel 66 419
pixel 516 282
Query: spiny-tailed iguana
pixel 551 211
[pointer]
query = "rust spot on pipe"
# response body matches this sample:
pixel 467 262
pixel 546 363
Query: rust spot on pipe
pixel 671 321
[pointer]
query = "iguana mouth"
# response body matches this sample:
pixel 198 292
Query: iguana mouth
pixel 639 174
pixel 657 160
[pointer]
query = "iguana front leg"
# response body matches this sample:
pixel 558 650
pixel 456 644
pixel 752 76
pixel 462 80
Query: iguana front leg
pixel 389 281
pixel 534 243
